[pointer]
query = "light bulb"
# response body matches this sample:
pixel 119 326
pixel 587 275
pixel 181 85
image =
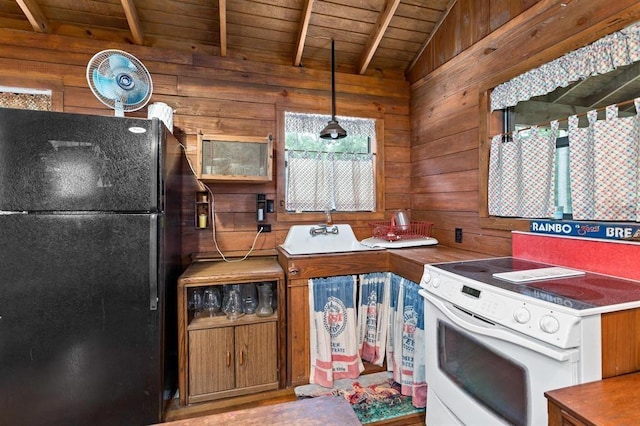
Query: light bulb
pixel 334 134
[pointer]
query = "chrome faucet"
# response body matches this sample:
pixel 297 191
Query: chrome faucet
pixel 323 230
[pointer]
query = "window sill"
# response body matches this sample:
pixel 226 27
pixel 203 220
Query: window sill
pixel 505 224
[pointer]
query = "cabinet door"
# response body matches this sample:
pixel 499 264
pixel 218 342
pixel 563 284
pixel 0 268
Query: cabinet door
pixel 256 357
pixel 211 360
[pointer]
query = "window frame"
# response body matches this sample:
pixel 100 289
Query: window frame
pixel 377 147
pixel 56 86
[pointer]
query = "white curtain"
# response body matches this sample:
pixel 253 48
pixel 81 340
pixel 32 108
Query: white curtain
pixel 353 183
pixel 333 330
pixel 308 182
pixel 522 174
pixel 581 163
pixel 405 341
pixel 604 55
pixel 373 316
pixel 319 181
pixel 605 158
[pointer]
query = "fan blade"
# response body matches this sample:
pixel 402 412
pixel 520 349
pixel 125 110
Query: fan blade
pixel 117 61
pixel 106 86
pixel 138 93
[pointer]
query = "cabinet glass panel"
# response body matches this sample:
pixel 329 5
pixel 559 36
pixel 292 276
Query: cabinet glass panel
pixel 234 158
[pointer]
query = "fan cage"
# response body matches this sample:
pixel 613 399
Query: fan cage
pixel 100 63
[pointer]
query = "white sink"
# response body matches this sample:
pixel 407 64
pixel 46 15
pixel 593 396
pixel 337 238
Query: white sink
pixel 300 241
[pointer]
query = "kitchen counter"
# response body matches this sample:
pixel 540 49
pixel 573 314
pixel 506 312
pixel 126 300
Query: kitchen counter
pixel 613 401
pixel 409 262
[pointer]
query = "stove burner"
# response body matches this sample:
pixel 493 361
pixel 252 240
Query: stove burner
pixel 613 284
pixel 567 290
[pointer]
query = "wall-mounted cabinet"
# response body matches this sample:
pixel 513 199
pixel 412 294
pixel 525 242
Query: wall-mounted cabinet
pixel 234 158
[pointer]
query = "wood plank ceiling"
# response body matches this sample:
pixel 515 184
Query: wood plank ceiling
pixel 371 36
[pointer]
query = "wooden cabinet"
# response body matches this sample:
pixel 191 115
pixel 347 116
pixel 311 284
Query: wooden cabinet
pixel 219 357
pixel 299 270
pixel 234 158
pixel 612 401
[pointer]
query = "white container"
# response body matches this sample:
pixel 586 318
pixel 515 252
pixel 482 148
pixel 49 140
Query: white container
pixel 162 111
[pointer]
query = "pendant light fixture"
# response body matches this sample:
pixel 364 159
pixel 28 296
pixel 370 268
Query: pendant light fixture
pixel 333 130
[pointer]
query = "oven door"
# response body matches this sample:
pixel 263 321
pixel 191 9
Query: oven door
pixel 480 373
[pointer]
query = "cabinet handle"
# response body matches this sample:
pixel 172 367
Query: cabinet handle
pixel 293 269
pixel 241 357
pixel 228 359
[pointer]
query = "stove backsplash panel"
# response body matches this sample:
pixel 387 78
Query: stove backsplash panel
pixel 611 257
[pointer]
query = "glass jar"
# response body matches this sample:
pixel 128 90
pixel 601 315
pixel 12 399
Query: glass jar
pixel 234 307
pixel 249 298
pixel 264 300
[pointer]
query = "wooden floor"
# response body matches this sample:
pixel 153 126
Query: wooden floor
pixel 176 412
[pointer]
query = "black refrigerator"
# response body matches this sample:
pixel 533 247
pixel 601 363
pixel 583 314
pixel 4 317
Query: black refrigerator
pixel 89 261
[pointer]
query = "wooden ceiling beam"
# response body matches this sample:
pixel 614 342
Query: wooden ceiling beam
pixel 302 32
pixel 134 22
pixel 34 14
pixel 617 89
pixel 374 39
pixel 222 8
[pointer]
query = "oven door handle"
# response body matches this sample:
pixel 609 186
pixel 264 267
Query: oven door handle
pixel 498 333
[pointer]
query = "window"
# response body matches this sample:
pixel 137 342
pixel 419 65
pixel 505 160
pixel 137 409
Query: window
pixel 25 98
pixel 324 175
pixel 575 90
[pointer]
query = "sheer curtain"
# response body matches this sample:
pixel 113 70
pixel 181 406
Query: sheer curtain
pixel 581 163
pixel 353 182
pixel 319 181
pixel 522 174
pixel 309 177
pixel 605 158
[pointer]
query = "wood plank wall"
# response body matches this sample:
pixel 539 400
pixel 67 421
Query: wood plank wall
pixel 220 96
pixel 480 45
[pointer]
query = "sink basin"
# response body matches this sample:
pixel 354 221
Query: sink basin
pixel 299 241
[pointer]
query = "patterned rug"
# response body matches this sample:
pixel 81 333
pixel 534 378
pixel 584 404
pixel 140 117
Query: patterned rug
pixel 373 397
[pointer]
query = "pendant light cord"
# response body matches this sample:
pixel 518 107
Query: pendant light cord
pixel 333 81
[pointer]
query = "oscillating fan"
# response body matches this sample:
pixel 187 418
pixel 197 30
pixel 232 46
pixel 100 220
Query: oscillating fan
pixel 119 80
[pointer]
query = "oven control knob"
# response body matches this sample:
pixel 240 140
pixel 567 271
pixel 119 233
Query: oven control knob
pixel 549 324
pixel 426 277
pixel 436 281
pixel 522 315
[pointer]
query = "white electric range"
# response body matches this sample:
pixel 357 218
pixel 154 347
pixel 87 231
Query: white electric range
pixel 500 332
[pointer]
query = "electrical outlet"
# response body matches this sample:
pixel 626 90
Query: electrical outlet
pixel 264 227
pixel 458 235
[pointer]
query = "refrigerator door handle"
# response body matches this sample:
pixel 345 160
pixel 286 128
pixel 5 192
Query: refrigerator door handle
pixel 153 262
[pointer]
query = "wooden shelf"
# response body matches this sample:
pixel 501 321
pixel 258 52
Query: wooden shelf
pixel 221 320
